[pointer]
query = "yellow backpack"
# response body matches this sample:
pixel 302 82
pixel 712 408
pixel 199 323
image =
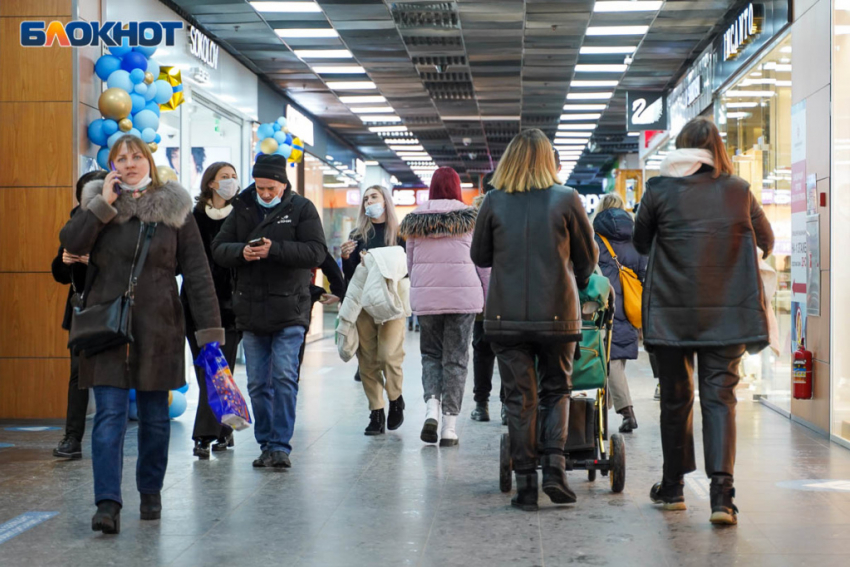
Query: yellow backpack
pixel 632 288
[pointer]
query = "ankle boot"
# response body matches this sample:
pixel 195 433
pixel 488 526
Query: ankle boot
pixel 107 519
pixel 395 417
pixel 526 491
pixel 448 436
pixel 629 420
pixel 723 509
pixel 151 506
pixel 432 416
pixel 555 480
pixel 377 422
pixel 481 412
pixel 670 494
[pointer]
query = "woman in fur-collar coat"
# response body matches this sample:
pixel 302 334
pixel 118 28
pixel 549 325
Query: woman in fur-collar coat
pixel 110 227
pixel 446 292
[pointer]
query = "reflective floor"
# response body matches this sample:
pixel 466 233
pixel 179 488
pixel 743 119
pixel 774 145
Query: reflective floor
pixel 352 500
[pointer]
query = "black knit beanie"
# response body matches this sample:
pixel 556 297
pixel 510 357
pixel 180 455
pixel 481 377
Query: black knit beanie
pixel 271 166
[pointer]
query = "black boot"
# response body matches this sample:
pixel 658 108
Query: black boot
pixel 223 443
pixel 629 420
pixel 555 480
pixel 723 509
pixel 395 417
pixel 526 491
pixel 481 412
pixel 670 494
pixel 202 449
pixel 69 448
pixel 107 519
pixel 151 506
pixel 504 414
pixel 376 422
pixel 357 376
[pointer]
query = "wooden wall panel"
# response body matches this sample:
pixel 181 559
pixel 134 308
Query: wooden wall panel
pixel 36 7
pixel 31 311
pixel 34 73
pixel 37 145
pixel 30 387
pixel 29 233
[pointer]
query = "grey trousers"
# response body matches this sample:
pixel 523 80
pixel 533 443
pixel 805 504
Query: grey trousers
pixel 618 386
pixel 444 341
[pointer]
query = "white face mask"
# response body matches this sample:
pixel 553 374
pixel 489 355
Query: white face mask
pixel 375 210
pixel 227 188
pixel 142 184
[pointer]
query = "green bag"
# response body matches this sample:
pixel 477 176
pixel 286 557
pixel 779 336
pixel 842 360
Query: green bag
pixel 589 371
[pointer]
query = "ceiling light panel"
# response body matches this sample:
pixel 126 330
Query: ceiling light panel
pixel 402 141
pixel 593 84
pixel 617 30
pixel 589 96
pixel 584 107
pixel 323 54
pixel 306 33
pixel 351 85
pixel 371 109
pixel 412 148
pixel 594 116
pixel 607 50
pixel 380 118
pixel 576 126
pixel 573 135
pixel 291 7
pixel 339 69
pixel 365 99
pixel 379 129
pixel 645 6
pixel 605 68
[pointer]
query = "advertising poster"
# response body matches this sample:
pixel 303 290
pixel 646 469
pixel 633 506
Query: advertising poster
pixel 813 265
pixel 798 324
pixel 799 260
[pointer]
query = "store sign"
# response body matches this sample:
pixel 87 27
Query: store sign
pixel 352 197
pixel 693 90
pixel 203 47
pixel 590 202
pixel 299 125
pixel 742 31
pixel 646 110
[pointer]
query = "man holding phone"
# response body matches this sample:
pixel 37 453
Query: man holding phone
pixel 273 239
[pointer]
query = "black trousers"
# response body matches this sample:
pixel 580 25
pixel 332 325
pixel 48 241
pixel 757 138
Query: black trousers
pixel 525 389
pixel 483 361
pixel 78 403
pixel 718 376
pixel 207 427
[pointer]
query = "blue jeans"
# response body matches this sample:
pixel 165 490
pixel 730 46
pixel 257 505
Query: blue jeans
pixel 107 441
pixel 272 365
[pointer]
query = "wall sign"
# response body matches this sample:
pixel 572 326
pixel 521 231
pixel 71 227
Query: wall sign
pixel 203 47
pixel 299 125
pixel 741 32
pixel 646 110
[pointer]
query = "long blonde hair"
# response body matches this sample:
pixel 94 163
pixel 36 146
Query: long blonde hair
pixel 134 143
pixel 609 201
pixel 528 163
pixel 701 133
pixel 365 230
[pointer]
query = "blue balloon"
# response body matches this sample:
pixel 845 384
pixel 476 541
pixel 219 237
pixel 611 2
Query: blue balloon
pixel 109 127
pixel 106 65
pixel 123 49
pixel 153 68
pixel 282 122
pixel 288 139
pixel 153 107
pixel 120 79
pixel 141 89
pixel 148 135
pixel 134 60
pixel 137 76
pixel 146 119
pixel 96 134
pixel 265 131
pixel 138 103
pixel 276 127
pixel 135 132
pixel 280 137
pixel 134 410
pixel 284 150
pixel 146 51
pixel 103 162
pixel 184 389
pixel 111 140
pixel 150 92
pixel 158 139
pixel 164 92
pixel 178 404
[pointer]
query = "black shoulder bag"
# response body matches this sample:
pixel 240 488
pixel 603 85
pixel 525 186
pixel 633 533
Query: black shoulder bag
pixel 107 325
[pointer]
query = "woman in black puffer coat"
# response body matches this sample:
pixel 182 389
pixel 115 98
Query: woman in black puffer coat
pixel 616 226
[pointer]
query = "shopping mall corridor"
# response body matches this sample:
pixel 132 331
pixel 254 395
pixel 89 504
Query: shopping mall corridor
pixel 351 500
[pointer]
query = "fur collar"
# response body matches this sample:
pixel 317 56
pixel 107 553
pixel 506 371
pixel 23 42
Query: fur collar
pixel 450 223
pixel 169 205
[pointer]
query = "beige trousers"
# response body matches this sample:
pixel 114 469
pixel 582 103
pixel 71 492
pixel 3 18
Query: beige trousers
pixel 380 355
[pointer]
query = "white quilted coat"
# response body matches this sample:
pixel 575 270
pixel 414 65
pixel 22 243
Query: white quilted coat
pixel 380 287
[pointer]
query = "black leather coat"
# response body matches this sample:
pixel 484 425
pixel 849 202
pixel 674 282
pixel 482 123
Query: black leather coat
pixel 703 287
pixel 540 247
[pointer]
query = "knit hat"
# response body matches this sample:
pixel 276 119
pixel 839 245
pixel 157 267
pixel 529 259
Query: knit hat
pixel 271 166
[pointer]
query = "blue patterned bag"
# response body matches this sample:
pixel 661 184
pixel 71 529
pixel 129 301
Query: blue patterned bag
pixel 225 399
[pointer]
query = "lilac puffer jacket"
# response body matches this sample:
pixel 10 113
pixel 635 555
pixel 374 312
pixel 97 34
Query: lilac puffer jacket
pixel 443 278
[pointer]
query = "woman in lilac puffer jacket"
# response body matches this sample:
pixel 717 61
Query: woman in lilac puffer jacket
pixel 446 292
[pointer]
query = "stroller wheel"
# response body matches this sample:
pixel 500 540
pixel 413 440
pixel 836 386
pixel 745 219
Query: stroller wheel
pixel 618 463
pixel 505 463
pixel 591 475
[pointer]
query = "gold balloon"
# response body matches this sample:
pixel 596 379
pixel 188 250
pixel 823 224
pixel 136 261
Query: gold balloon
pixel 153 146
pixel 125 124
pixel 165 173
pixel 149 78
pixel 115 104
pixel 268 146
pixel 285 129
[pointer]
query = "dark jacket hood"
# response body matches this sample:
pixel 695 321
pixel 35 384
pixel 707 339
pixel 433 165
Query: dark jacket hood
pixel 614 224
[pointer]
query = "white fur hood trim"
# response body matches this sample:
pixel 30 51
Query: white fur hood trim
pixel 169 205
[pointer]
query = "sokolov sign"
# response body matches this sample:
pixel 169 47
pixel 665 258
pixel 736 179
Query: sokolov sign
pixel 203 47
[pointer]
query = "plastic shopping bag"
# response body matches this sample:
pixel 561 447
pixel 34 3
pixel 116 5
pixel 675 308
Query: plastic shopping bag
pixel 225 399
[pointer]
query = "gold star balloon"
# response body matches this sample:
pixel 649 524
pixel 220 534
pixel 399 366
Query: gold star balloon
pixel 172 76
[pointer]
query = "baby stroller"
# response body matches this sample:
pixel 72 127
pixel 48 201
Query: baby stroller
pixel 588 419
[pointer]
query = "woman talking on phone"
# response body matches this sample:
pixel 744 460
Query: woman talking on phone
pixel 381 349
pixel 133 220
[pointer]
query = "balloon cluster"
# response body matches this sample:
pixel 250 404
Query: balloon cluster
pixel 275 138
pixel 131 102
pixel 176 403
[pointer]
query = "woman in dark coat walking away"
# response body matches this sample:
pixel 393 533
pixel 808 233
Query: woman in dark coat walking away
pixel 219 186
pixel 70 269
pixel 115 216
pixel 614 228
pixel 703 297
pixel 536 237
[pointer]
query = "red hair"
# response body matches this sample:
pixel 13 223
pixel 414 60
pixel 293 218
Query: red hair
pixel 445 184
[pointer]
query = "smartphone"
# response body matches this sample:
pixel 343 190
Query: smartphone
pixel 115 188
pixel 256 242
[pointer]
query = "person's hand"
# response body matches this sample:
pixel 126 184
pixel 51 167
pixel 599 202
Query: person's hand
pixel 328 299
pixel 263 251
pixel 69 259
pixel 363 257
pixel 110 185
pixel 346 249
pixel 250 254
pixel 83 259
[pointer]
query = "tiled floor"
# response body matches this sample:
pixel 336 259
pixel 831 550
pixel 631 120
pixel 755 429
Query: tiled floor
pixel 351 500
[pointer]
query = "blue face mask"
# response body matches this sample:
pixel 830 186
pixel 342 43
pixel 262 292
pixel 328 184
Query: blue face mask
pixel 275 202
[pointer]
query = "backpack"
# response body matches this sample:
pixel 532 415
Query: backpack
pixel 632 288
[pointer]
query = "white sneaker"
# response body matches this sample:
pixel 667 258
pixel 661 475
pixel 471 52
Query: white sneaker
pixel 432 416
pixel 448 436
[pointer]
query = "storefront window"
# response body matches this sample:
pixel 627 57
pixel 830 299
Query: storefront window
pixel 213 137
pixel 754 118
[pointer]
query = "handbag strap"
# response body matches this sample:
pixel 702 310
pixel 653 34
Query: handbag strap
pixel 139 263
pixel 610 251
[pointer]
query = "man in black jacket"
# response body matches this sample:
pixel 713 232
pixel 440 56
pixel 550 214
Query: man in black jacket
pixel 273 239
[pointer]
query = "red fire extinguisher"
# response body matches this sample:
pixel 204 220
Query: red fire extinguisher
pixel 803 379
